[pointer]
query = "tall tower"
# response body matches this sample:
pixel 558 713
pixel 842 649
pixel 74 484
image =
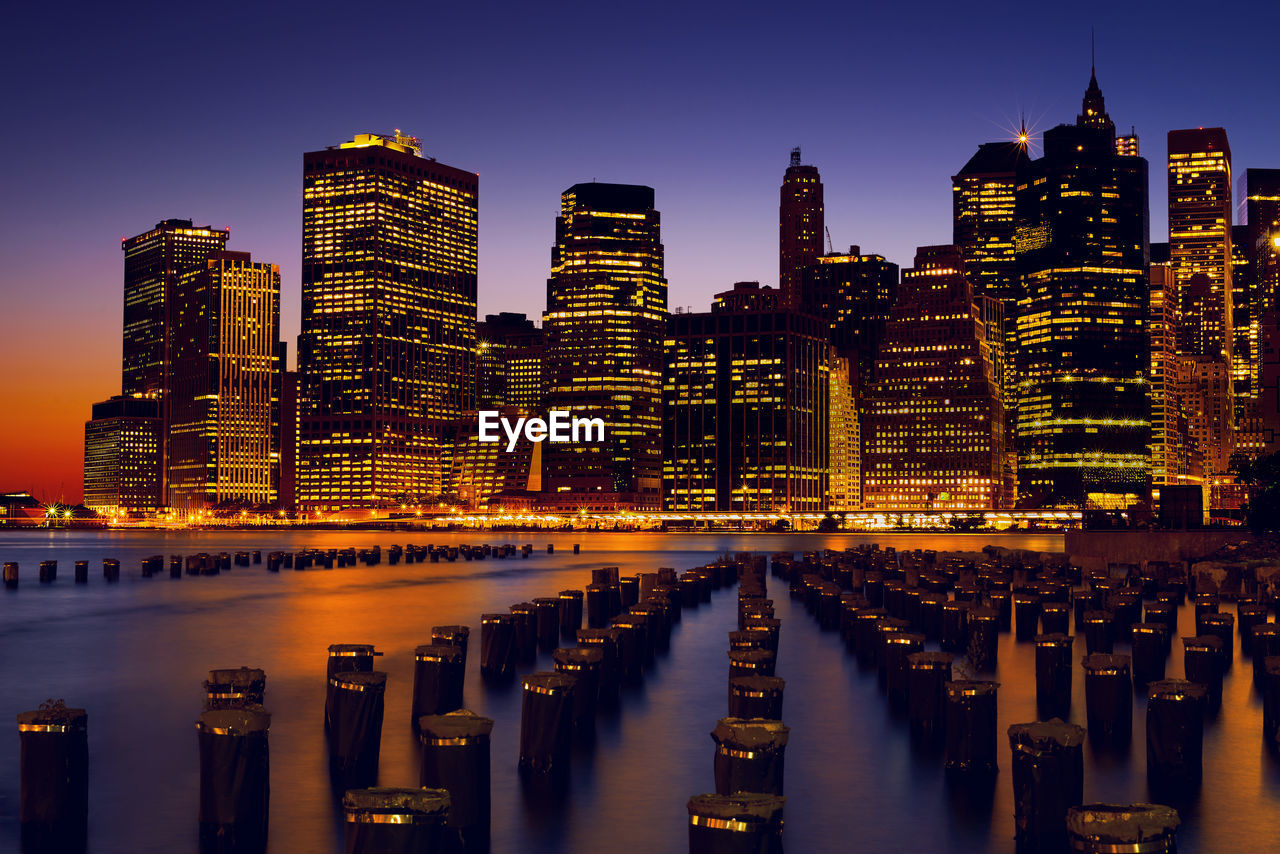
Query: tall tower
pixel 1082 246
pixel 606 310
pixel 983 196
pixel 389 243
pixel 153 261
pixel 800 225
pixel 933 432
pixel 1200 255
pixel 1200 232
pixel 226 329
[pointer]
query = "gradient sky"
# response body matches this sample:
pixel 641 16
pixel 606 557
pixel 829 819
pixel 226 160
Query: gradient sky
pixel 120 115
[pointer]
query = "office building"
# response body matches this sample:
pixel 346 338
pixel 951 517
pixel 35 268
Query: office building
pixel 1082 348
pixel 933 429
pixel 853 293
pixel 745 402
pixel 509 356
pixel 224 394
pixel 801 225
pixel 122 456
pixel 1176 459
pixel 386 354
pixel 153 261
pixel 982 227
pixel 606 310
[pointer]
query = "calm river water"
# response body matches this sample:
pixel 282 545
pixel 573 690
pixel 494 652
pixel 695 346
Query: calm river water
pixel 134 655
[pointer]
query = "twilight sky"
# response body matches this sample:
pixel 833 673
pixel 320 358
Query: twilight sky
pixel 119 115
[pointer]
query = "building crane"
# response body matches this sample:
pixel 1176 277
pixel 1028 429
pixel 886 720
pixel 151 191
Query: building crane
pixel 827 229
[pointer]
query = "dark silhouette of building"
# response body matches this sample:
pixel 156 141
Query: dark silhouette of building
pixel 1259 216
pixel 224 395
pixel 509 356
pixel 745 406
pixel 388 321
pixel 800 225
pixel 153 261
pixel 1259 243
pixel 284 425
pixel 853 293
pixel 934 426
pixel 1081 355
pixel 606 310
pixel 122 456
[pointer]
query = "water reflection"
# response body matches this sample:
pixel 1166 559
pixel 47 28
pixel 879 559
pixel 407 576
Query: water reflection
pixel 134 654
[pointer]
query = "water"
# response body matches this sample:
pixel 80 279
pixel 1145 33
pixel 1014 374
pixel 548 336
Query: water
pixel 134 655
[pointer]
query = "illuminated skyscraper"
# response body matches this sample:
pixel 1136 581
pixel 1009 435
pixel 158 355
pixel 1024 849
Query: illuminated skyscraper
pixel 509 356
pixel 1200 234
pixel 745 404
pixel 1200 254
pixel 853 294
pixel 153 261
pixel 223 430
pixel 983 197
pixel 933 429
pixel 606 310
pixel 388 321
pixel 844 435
pixel 1081 356
pixel 1176 459
pixel 982 217
pixel 800 225
pixel 122 456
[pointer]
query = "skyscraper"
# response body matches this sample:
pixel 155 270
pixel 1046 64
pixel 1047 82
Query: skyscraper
pixel 983 197
pixel 153 261
pixel 853 293
pixel 122 456
pixel 388 321
pixel 509 357
pixel 745 404
pixel 1200 254
pixel 1259 215
pixel 800 225
pixel 1176 459
pixel 606 310
pixel 982 217
pixel 933 432
pixel 1081 356
pixel 1200 233
pixel 225 318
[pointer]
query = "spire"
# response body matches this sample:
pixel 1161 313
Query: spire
pixel 1093 112
pixel 795 156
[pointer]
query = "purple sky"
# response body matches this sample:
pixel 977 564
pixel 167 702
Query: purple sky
pixel 120 115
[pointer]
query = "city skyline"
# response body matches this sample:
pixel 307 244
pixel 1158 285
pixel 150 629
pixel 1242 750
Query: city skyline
pixel 887 183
